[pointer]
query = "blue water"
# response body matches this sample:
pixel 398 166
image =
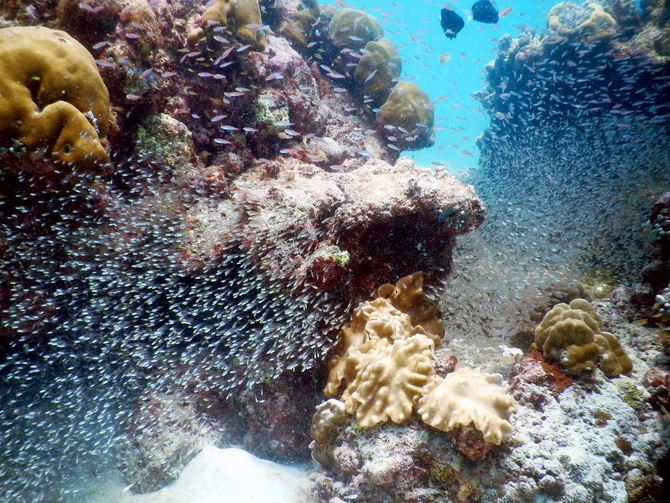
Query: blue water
pixel 415 29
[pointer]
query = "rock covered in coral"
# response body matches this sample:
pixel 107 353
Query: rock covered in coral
pixel 588 20
pixel 328 416
pixel 343 231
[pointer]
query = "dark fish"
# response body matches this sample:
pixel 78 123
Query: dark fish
pixel 451 23
pixel 484 12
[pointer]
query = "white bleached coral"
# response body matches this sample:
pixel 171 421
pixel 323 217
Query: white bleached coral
pixel 468 396
pixel 328 416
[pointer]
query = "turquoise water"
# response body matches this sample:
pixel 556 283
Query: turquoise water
pixel 416 31
pixel 120 350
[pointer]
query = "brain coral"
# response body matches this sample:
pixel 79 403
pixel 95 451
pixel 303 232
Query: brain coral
pixel 569 20
pixel 407 116
pixel 377 69
pixel 246 17
pixel 573 335
pixel 468 396
pixel 52 97
pixel 354 28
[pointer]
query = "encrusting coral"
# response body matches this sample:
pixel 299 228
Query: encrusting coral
pixel 385 356
pixel 52 97
pixel 246 18
pixel 468 396
pixel 569 20
pixel 573 335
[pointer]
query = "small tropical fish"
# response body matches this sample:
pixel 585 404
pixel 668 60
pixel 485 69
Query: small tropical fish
pixel 505 11
pixel 447 211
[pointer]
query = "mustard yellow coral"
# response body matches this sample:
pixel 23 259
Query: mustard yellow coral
pixel 246 20
pixel 52 97
pixel 408 116
pixel 468 396
pixel 573 335
pixel 376 70
pixel 354 28
pixel 299 24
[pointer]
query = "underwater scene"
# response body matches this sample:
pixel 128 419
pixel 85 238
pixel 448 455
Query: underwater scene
pixel 287 251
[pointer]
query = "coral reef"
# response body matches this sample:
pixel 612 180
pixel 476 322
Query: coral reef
pixel 43 107
pixel 573 335
pixel 252 196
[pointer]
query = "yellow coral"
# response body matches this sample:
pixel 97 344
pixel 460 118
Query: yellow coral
pixel 52 97
pixel 246 16
pixel 399 311
pixel 389 379
pixel 407 296
pixel 468 396
pixel 614 359
pixel 573 335
pixel 385 356
pixel 569 20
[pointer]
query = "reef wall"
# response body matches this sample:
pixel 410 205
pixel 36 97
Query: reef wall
pixel 574 157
